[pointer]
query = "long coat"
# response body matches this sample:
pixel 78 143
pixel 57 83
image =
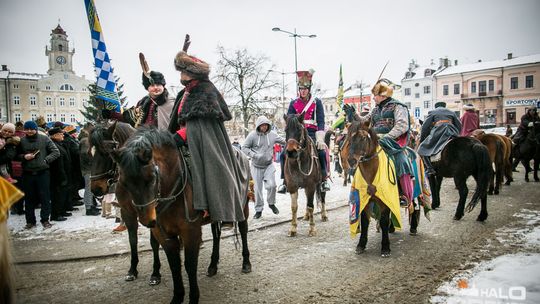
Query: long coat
pixel 220 173
pixel 440 126
pixel 469 123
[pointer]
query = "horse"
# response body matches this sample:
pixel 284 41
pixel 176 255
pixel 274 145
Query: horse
pixel 342 166
pixel 103 139
pixel 302 170
pixel 461 158
pixel 156 177
pixel 498 155
pixel 529 149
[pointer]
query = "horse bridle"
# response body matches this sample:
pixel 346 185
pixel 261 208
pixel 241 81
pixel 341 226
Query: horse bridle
pixel 111 173
pixel 303 148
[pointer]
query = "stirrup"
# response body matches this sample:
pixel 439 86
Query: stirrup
pixel 282 189
pixel 325 186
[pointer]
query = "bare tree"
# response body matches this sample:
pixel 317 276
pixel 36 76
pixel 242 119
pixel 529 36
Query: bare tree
pixel 244 76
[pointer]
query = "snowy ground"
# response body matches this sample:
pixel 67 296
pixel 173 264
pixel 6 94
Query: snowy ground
pixel 513 278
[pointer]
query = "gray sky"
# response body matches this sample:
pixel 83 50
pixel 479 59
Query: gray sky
pixel 362 35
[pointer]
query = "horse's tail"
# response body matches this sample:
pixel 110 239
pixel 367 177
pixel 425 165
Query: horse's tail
pixel 484 172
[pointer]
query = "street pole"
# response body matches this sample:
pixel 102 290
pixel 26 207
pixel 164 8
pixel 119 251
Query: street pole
pixel 295 60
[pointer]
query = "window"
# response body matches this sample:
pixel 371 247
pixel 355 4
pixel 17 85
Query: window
pixel 529 81
pixel 16 100
pixel 16 86
pixel 513 83
pixel 66 76
pixel 408 104
pixel 32 87
pixel 62 101
pixel 48 101
pixel 456 88
pixel 473 87
pixel 33 116
pixel 73 119
pixel 72 102
pixel 84 89
pixel 17 117
pixel 63 117
pixel 60 47
pixel 66 87
pixel 445 89
pixel 491 85
pixel 48 88
pixel 85 102
pixel 427 104
pixel 32 100
pixel 427 89
pixel 416 95
pixel 331 107
pixel 49 117
pixel 428 72
pixel 482 86
pixel 407 91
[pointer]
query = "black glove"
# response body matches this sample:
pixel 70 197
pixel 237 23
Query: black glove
pixel 179 140
pixel 106 113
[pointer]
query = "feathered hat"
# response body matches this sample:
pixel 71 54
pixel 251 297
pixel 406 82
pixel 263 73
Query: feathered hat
pixel 150 77
pixel 304 78
pixel 191 64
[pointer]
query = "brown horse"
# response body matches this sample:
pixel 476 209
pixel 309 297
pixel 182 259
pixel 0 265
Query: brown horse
pixel 103 139
pixel 155 175
pixel 499 156
pixel 302 170
pixel 340 154
pixel 363 154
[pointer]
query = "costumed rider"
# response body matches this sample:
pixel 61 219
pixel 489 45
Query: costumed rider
pixel 390 120
pixel 528 120
pixel 469 120
pixel 313 121
pixel 153 109
pixel 219 172
pixel 438 129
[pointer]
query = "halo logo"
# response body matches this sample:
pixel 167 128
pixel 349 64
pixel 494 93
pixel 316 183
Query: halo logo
pixel 472 294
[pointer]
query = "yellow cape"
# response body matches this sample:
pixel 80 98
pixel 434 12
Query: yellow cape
pixel 387 189
pixel 9 194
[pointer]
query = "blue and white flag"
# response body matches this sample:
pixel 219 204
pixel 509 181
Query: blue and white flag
pixel 106 84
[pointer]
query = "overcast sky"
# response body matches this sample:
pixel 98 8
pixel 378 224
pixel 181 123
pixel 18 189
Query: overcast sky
pixel 361 35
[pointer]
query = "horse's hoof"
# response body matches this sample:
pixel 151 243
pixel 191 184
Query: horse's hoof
pixel 312 232
pixel 360 250
pixel 507 183
pixel 211 271
pixel 385 254
pixel 324 219
pixel 292 233
pixel 527 180
pixel 413 232
pixel 391 229
pixel 490 192
pixel 130 277
pixel 496 192
pixel 306 218
pixel 481 217
pixel 457 217
pixel 154 280
pixel 246 268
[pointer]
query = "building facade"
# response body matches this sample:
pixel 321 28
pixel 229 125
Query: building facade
pixel 58 95
pixel 499 90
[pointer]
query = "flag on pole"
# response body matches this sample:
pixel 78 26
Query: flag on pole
pixel 339 98
pixel 106 84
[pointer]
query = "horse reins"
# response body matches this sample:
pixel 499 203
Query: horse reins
pixel 312 154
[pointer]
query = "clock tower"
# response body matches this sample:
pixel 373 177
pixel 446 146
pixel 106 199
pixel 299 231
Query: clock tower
pixel 60 56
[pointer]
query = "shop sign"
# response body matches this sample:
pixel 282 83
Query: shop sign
pixel 521 102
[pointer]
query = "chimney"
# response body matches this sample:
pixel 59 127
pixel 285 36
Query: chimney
pixel 4 67
pixel 509 56
pixel 455 62
pixel 446 63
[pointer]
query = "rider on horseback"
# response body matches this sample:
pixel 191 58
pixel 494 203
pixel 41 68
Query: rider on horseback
pixel 313 120
pixel 390 120
pixel 527 121
pixel 440 126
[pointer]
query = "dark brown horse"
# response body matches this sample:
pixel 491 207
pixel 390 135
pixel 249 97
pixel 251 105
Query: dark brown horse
pixel 302 170
pixel 529 149
pixel 103 139
pixel 156 177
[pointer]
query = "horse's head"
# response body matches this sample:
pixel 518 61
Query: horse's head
pixel 361 142
pixel 295 134
pixel 103 171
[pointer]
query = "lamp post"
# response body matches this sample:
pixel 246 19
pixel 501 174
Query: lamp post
pixel 282 82
pixel 294 35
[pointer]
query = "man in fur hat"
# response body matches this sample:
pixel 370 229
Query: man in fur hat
pixel 469 120
pixel 153 109
pixel 313 121
pixel 219 172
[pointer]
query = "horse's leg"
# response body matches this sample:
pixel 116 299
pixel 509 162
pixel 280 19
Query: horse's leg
pixel 364 225
pixel 535 172
pixel 155 278
pixel 324 215
pixel 434 192
pixel 132 225
pixel 491 183
pixel 192 241
pixel 385 223
pixel 171 246
pixel 499 177
pixel 310 194
pixel 527 168
pixel 246 264
pixel 415 219
pixel 461 184
pixel 483 209
pixel 294 210
pixel 214 260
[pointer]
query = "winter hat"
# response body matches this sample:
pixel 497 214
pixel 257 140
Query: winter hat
pixel 383 87
pixel 155 78
pixel 54 130
pixel 8 127
pixel 58 124
pixel 440 104
pixel 30 125
pixel 468 107
pixel 192 65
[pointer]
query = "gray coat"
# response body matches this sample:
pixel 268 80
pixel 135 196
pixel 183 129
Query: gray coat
pixel 260 146
pixel 440 126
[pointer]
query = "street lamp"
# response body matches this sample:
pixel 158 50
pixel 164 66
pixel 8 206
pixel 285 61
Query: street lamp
pixel 294 35
pixel 282 82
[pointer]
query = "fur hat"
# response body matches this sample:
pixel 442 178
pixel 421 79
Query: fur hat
pixel 9 127
pixel 30 125
pixel 54 130
pixel 383 87
pixel 440 104
pixel 197 68
pixel 305 78
pixel 155 78
pixel 468 107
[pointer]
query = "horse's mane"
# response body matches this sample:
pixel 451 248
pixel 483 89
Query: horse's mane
pixel 144 140
pixel 122 132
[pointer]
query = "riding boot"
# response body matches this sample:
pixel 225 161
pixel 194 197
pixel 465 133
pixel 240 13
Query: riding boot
pixel 282 189
pixel 427 164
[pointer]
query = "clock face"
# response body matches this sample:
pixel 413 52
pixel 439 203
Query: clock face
pixel 61 60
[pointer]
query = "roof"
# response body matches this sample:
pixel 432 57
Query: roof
pixel 419 72
pixel 488 65
pixel 24 76
pixel 59 30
